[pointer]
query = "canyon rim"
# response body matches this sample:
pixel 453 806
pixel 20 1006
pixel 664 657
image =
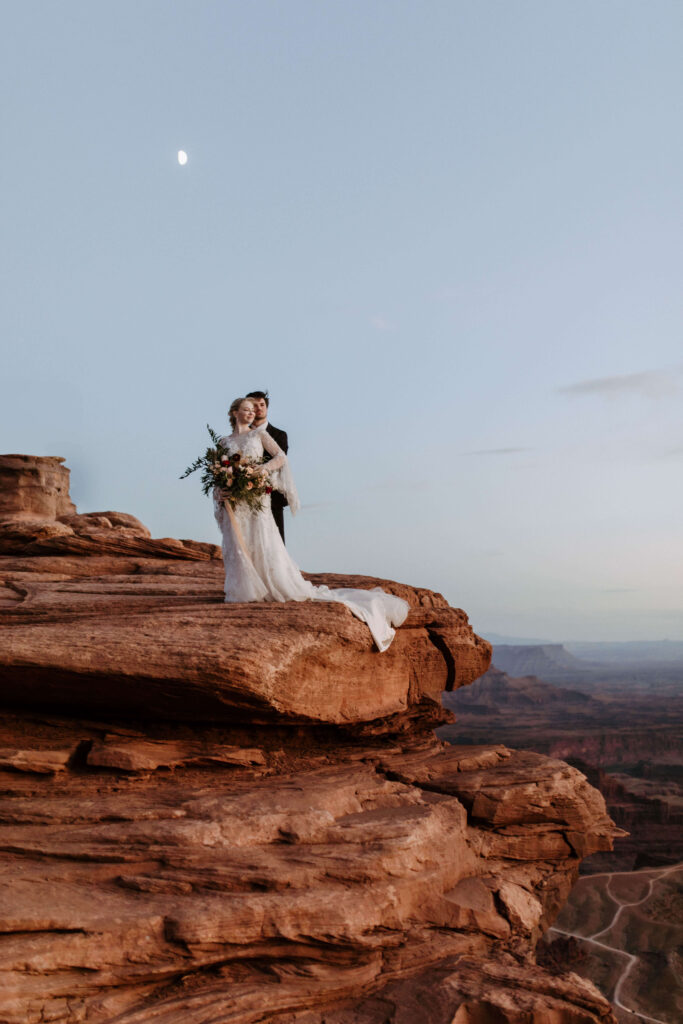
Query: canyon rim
pixel 241 813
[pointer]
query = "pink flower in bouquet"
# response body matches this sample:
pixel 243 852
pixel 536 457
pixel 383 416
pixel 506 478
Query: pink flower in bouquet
pixel 249 486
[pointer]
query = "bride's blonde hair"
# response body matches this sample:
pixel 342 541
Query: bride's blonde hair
pixel 232 411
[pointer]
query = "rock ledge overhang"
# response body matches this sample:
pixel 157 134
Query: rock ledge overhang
pixel 96 616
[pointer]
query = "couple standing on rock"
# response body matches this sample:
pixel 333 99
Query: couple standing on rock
pixel 257 564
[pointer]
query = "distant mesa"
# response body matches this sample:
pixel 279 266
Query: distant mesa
pixel 595 655
pixel 543 660
pixel 495 691
pixel 631 652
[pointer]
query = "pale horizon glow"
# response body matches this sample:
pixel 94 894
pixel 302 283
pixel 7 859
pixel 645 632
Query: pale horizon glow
pixel 446 238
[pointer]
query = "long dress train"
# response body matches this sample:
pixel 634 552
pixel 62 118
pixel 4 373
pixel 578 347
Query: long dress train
pixel 258 566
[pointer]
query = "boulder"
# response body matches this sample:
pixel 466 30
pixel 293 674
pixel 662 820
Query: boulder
pixel 34 487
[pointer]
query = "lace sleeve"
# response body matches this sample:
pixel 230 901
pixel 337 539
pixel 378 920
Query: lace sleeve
pixel 273 448
pixel 279 472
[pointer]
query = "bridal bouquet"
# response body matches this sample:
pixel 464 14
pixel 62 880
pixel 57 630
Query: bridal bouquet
pixel 236 477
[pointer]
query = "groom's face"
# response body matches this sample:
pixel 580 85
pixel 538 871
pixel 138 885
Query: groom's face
pixel 260 408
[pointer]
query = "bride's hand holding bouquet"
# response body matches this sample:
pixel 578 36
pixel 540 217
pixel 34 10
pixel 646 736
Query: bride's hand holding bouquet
pixel 236 479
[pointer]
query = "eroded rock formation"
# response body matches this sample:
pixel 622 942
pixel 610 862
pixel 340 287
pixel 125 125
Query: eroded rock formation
pixel 217 813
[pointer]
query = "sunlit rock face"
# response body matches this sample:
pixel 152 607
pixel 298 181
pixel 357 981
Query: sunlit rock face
pixel 241 813
pixel 34 487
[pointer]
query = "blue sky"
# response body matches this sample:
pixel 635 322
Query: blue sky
pixel 447 236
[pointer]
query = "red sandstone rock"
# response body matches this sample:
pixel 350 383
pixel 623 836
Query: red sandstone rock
pixel 40 761
pixel 135 755
pixel 240 813
pixel 465 990
pixel 34 487
pixel 138 636
pixel 140 896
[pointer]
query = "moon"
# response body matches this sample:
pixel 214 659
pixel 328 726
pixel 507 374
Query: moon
pixel 182 157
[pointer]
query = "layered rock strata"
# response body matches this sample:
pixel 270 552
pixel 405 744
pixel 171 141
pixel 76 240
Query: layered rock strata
pixel 241 813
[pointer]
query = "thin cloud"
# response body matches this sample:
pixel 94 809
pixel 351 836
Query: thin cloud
pixel 380 323
pixel 647 384
pixel 447 294
pixel 498 451
pixel 619 590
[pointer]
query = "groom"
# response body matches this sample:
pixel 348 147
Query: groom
pixel 278 501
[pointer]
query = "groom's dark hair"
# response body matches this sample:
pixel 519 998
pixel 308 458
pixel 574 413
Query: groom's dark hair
pixel 259 394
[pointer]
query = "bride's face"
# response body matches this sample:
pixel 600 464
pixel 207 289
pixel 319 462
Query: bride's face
pixel 245 414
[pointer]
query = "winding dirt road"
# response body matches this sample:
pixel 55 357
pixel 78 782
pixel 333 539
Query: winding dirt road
pixel 630 959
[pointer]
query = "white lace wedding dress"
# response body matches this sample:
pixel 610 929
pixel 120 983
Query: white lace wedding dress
pixel 258 566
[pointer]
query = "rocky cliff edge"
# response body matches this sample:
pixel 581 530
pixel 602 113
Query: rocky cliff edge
pixel 240 813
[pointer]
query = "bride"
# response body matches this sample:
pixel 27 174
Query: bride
pixel 257 564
